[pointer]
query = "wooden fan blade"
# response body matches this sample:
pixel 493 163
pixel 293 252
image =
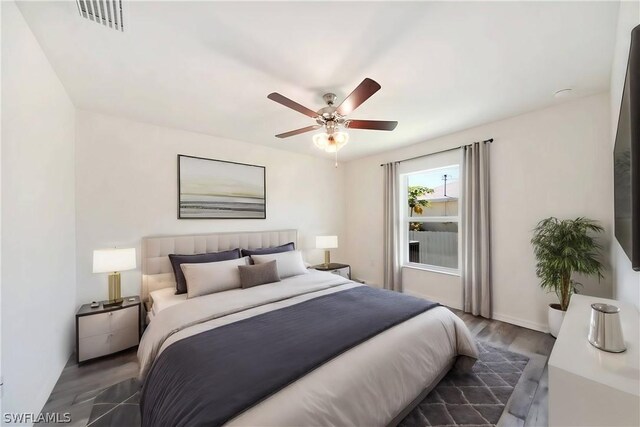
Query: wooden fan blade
pixel 372 124
pixel 280 99
pixel 298 131
pixel 360 94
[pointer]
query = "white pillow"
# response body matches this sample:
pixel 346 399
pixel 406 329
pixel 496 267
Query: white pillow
pixel 209 277
pixel 289 263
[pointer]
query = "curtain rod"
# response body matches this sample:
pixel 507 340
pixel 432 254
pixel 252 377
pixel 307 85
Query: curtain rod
pixel 490 140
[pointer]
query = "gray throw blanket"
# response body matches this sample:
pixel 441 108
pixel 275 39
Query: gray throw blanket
pixel 211 377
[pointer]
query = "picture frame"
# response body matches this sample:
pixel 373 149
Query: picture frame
pixel 220 189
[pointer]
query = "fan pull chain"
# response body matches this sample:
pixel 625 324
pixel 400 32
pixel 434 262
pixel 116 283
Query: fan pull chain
pixel 336 164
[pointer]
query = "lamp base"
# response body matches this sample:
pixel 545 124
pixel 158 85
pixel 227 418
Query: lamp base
pixel 327 258
pixel 115 297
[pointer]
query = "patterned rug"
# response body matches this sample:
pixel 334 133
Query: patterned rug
pixel 477 398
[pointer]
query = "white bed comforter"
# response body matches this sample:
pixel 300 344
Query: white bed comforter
pixel 366 386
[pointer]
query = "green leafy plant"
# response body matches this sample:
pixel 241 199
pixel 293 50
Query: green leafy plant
pixel 564 247
pixel 416 205
pixel 415 226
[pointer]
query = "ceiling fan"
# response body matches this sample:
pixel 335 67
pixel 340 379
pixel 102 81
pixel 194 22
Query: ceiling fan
pixel 332 118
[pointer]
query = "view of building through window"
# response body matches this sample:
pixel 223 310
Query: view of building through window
pixel 432 216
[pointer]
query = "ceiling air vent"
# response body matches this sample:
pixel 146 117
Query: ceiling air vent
pixel 105 12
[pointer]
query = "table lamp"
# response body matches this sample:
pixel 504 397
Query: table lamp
pixel 326 243
pixel 113 261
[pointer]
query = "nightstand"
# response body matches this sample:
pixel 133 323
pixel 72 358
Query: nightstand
pixel 102 330
pixel 343 270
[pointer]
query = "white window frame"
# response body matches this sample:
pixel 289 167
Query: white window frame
pixel 406 219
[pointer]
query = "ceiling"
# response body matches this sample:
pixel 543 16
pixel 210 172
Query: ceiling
pixel 208 66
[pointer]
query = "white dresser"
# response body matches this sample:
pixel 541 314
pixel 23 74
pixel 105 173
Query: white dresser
pixel 590 387
pixel 101 331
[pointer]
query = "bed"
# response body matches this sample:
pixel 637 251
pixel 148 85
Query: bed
pixel 373 380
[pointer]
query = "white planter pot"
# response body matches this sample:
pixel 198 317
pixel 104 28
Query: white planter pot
pixel 556 316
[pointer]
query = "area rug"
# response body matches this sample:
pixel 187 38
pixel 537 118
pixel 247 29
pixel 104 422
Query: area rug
pixel 476 398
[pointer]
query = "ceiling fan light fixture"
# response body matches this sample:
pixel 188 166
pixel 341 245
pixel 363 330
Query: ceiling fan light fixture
pixel 333 118
pixel 330 143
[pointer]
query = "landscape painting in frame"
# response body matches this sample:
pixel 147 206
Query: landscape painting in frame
pixel 215 189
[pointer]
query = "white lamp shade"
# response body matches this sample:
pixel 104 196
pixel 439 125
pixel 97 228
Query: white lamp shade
pixel 326 242
pixel 109 260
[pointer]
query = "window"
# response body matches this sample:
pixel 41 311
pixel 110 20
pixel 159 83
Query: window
pixel 431 218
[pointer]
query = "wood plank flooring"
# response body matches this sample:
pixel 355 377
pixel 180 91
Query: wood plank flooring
pixel 522 410
pixel 78 385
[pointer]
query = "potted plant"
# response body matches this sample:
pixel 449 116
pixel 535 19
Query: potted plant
pixel 564 247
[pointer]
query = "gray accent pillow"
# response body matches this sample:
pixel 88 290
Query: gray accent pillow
pixel 260 274
pixel 273 250
pixel 177 260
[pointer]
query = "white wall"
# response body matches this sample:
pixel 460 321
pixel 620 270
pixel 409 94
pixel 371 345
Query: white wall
pixel 547 162
pixel 626 282
pixel 126 188
pixel 1 138
pixel 38 219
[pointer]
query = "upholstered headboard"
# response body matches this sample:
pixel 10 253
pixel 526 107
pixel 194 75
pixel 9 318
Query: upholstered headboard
pixel 156 268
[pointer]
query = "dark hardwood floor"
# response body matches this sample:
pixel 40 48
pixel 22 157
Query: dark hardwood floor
pixel 78 385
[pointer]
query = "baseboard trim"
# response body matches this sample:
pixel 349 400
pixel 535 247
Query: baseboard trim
pixel 497 316
pixel 451 304
pixel 521 322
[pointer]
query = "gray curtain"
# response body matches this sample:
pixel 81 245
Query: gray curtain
pixel 476 230
pixel 392 224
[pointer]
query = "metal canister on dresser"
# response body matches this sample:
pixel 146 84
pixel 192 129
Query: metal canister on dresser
pixel 605 331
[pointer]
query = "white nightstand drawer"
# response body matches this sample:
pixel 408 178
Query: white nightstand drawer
pixel 100 345
pixel 127 318
pixel 95 346
pixel 122 339
pixel 108 322
pixel 96 324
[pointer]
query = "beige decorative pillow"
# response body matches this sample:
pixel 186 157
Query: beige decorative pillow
pixel 289 263
pixel 207 278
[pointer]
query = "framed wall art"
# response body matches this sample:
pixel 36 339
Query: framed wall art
pixel 217 189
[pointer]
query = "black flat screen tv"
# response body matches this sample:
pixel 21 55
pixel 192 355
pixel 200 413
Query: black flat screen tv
pixel 627 159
